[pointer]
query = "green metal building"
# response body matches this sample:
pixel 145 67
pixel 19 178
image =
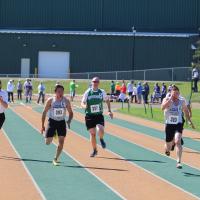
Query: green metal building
pixel 96 35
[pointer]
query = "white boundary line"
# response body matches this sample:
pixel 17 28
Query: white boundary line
pixel 166 181
pixel 108 186
pixel 26 169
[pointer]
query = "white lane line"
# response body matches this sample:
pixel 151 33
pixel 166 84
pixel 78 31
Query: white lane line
pixel 23 164
pixel 107 185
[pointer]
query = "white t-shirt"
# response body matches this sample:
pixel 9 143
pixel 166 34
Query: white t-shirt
pixel 195 73
pixel 134 91
pixel 4 95
pixel 10 87
pixel 130 87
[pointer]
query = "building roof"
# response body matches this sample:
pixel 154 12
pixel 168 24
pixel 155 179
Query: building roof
pixel 96 33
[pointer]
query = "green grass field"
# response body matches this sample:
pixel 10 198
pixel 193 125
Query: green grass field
pixel 185 87
pixel 158 114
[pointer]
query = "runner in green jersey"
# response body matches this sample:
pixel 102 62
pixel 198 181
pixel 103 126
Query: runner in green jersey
pixel 92 102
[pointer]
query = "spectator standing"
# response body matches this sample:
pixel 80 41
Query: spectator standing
pixel 134 95
pixel 41 92
pixel 195 78
pixel 10 90
pixel 19 90
pixel 72 88
pixel 130 90
pixel 146 91
pixel 139 93
pixel 112 87
pixel 163 92
pixel 117 89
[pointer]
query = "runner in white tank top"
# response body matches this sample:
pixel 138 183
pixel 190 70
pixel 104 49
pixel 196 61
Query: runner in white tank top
pixel 56 107
pixel 174 106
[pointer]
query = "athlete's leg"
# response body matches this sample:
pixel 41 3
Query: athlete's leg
pixel 179 148
pixel 100 130
pixel 169 140
pixel 61 140
pixel 93 138
pixel 48 140
pixel 168 146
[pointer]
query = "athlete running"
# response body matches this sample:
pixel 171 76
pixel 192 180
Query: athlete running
pixel 173 106
pixel 92 102
pixel 3 105
pixel 56 108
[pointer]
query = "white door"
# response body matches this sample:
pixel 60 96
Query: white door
pixel 25 67
pixel 53 64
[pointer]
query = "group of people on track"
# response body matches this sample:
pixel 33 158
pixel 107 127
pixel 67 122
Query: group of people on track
pixel 57 106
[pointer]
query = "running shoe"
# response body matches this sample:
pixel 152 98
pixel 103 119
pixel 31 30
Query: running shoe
pixel 94 153
pixel 55 162
pixel 167 153
pixel 179 166
pixel 103 144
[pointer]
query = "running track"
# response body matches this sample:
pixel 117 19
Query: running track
pixel 132 167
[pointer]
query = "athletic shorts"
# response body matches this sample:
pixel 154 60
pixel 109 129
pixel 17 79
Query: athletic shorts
pixel 92 121
pixel 2 119
pixel 171 129
pixel 56 126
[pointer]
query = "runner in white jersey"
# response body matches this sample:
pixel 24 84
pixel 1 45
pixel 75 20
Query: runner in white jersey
pixel 173 107
pixel 3 105
pixel 56 108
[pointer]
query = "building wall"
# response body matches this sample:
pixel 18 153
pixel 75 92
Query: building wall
pixel 96 53
pixel 107 15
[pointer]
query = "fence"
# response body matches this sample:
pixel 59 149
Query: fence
pixel 162 74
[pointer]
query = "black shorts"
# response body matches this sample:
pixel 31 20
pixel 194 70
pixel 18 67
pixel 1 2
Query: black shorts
pixel 2 119
pixel 56 126
pixel 92 121
pixel 171 129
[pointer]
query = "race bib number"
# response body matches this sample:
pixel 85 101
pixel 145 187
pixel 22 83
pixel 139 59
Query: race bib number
pixel 58 112
pixel 173 119
pixel 95 108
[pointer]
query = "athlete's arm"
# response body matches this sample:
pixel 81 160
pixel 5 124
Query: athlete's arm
pixel 166 103
pixel 84 100
pixel 3 103
pixel 44 114
pixel 109 108
pixel 71 114
pixel 107 100
pixel 190 110
pixel 187 115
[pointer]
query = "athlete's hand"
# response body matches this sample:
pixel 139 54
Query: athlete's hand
pixel 110 114
pixel 42 129
pixel 69 124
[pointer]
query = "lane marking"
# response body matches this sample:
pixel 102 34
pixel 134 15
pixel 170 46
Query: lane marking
pixel 24 165
pixel 103 182
pixel 134 164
